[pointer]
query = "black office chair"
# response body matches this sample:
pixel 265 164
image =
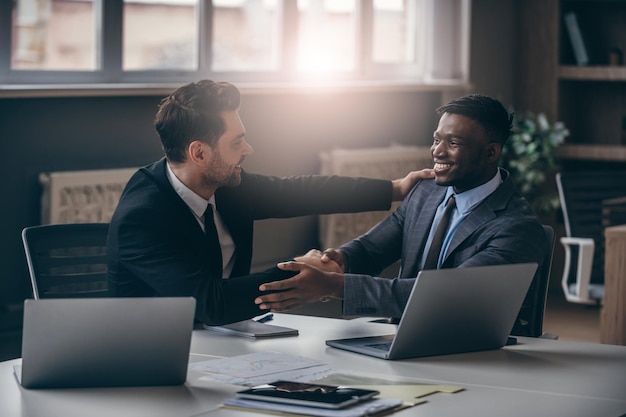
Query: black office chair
pixel 529 321
pixel 583 195
pixel 67 260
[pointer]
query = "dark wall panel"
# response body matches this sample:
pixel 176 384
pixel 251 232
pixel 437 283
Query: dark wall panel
pixel 59 134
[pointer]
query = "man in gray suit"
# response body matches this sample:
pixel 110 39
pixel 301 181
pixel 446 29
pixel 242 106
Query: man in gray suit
pixel 491 223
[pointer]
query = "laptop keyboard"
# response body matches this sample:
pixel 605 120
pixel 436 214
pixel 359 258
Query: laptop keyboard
pixel 381 346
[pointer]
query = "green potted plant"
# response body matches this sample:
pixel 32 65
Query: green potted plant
pixel 529 155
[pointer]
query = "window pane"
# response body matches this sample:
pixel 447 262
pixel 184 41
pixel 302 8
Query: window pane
pixel 54 35
pixel 326 35
pixel 395 34
pixel 245 35
pixel 160 34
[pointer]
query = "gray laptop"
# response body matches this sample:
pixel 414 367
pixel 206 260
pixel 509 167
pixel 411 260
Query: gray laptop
pixel 104 342
pixel 452 311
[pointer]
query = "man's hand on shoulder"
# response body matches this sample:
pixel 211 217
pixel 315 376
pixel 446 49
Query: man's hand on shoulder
pixel 402 186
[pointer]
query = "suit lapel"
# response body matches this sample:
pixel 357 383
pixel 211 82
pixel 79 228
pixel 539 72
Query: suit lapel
pixel 420 231
pixel 187 218
pixel 485 212
pixel 240 227
pixel 243 248
pixel 482 214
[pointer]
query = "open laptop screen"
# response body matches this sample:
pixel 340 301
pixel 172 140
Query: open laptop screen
pixel 100 342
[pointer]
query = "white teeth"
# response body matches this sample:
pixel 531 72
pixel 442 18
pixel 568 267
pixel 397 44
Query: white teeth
pixel 441 166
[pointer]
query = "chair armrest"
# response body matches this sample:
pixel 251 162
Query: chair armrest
pixel 586 248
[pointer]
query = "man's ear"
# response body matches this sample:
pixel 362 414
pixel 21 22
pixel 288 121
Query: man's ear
pixel 197 152
pixel 494 150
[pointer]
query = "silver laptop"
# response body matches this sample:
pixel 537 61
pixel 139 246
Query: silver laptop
pixel 104 342
pixel 453 311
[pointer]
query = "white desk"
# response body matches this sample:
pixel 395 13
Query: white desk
pixel 536 377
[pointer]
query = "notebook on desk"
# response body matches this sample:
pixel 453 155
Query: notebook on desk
pixel 452 311
pixel 104 342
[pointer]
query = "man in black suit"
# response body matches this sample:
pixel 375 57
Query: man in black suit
pixel 184 224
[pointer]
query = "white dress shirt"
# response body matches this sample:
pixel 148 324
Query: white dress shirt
pixel 198 206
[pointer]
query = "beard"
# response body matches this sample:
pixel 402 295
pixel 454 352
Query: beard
pixel 221 174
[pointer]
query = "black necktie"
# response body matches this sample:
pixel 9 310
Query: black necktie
pixel 432 259
pixel 215 250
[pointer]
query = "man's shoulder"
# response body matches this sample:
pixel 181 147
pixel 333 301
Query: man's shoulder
pixel 145 188
pixel 142 182
pixel 428 185
pixel 426 189
pixel 514 201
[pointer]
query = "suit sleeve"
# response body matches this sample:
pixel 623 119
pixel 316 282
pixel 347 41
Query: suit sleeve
pixel 273 197
pixel 366 295
pixel 378 248
pixel 236 297
pixel 175 264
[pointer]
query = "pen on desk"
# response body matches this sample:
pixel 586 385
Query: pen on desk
pixel 265 318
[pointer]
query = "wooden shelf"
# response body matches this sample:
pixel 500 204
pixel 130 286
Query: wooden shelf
pixel 589 100
pixel 592 73
pixel 615 153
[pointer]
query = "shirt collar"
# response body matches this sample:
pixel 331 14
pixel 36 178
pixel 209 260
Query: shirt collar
pixel 466 201
pixel 196 203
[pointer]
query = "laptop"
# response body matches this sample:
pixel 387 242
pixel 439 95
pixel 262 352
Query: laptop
pixel 452 311
pixel 105 342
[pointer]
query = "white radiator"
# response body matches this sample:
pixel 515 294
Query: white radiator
pixel 386 163
pixel 82 196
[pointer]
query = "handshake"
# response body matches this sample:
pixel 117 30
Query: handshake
pixel 331 260
pixel 319 278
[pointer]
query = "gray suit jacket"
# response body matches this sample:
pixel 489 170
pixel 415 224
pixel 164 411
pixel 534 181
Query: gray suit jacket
pixel 502 229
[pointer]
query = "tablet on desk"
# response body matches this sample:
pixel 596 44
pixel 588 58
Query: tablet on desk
pixel 252 328
pixel 307 394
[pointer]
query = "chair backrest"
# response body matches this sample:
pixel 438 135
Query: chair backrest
pixel 529 321
pixel 581 194
pixel 67 260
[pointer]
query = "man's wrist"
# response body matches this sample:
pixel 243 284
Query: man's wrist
pixel 396 191
pixel 337 286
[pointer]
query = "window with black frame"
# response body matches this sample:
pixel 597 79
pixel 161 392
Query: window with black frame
pixel 279 41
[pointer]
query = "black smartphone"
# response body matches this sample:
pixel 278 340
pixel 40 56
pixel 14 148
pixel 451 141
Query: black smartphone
pixel 308 394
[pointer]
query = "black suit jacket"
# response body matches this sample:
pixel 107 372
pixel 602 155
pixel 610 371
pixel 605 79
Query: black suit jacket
pixel 156 247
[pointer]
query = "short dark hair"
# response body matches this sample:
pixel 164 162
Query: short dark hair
pixel 192 112
pixel 486 111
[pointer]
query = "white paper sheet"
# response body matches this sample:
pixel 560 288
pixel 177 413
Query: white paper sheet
pixel 262 368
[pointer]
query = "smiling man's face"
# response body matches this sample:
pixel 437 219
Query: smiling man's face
pixel 462 154
pixel 223 167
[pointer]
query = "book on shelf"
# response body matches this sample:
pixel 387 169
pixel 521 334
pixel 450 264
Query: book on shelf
pixel 576 38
